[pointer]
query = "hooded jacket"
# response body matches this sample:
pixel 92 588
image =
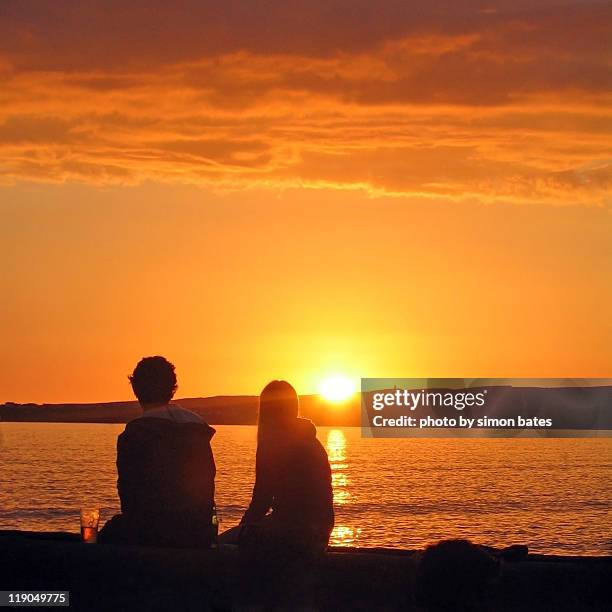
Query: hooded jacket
pixel 166 482
pixel 293 479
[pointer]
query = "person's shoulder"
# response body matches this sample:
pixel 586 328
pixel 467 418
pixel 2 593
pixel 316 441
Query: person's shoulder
pixel 183 426
pixel 138 426
pixel 306 437
pixel 134 434
pixel 182 415
pixel 305 429
pixel 191 426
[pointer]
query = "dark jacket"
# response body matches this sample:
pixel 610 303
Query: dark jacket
pixel 166 482
pixel 293 479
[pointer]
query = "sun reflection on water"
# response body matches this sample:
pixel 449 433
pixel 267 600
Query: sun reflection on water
pixel 342 535
pixel 336 451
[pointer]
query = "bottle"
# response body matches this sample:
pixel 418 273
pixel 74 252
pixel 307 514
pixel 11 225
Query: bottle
pixel 214 525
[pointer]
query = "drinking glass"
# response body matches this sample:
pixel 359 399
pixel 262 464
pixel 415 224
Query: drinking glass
pixel 90 517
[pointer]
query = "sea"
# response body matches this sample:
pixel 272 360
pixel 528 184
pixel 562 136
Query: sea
pixel 553 494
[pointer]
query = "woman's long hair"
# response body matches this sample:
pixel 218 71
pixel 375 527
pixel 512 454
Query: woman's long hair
pixel 279 407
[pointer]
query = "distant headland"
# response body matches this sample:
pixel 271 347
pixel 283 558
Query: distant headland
pixel 569 407
pixel 217 410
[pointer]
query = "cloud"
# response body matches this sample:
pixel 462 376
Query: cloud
pixel 504 102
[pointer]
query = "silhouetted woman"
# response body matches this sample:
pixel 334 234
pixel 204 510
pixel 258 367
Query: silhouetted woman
pixel 292 504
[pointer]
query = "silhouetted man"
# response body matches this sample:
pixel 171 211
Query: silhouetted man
pixel 165 466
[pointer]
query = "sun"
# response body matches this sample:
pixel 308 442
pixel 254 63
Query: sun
pixel 336 388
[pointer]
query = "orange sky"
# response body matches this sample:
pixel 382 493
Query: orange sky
pixel 378 189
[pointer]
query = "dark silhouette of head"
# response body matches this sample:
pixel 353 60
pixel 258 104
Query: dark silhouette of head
pixel 153 381
pixel 455 575
pixel 279 405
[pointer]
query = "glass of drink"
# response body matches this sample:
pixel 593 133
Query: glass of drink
pixel 90 517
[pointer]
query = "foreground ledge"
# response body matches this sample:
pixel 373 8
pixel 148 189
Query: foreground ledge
pixel 103 577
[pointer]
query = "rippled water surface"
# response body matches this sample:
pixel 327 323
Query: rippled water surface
pixel 553 494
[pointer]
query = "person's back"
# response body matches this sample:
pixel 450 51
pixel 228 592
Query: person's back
pixel 293 477
pixel 165 468
pixel 166 482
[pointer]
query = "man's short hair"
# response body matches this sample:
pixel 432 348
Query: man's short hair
pixel 154 380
